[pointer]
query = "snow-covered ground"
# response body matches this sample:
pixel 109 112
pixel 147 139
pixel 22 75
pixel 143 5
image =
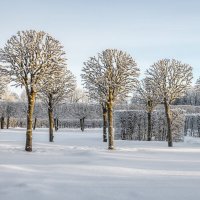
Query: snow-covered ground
pixel 78 166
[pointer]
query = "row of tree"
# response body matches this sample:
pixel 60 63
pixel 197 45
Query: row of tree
pixel 112 75
pixel 65 113
pixel 133 125
pixel 191 97
pixel 36 61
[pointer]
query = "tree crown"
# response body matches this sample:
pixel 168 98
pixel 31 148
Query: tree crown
pixel 111 71
pixel 171 78
pixel 30 56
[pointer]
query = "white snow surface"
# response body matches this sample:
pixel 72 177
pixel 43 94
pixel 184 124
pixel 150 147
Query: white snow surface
pixel 78 166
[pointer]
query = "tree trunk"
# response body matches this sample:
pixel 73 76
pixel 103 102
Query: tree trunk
pixel 31 103
pixel 149 127
pixel 104 123
pixel 2 122
pixel 110 123
pixel 139 133
pixel 56 123
pixel 82 123
pixel 35 122
pixel 168 116
pixel 8 122
pixel 50 113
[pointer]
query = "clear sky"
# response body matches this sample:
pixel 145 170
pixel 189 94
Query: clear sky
pixel 149 30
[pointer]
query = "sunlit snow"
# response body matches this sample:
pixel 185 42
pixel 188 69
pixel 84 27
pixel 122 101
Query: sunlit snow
pixel 78 166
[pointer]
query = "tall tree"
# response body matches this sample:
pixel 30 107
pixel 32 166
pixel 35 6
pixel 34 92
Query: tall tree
pixel 29 58
pixel 148 96
pixel 57 88
pixel 112 74
pixel 171 78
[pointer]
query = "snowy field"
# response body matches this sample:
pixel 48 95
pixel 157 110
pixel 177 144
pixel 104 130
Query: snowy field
pixel 78 166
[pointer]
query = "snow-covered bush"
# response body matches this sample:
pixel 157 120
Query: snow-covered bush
pixel 192 125
pixel 132 125
pixel 75 123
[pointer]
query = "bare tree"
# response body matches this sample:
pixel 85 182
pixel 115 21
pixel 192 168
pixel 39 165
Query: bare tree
pixel 197 84
pixel 80 111
pixel 2 114
pixel 105 110
pixel 112 74
pixel 57 89
pixel 171 78
pixel 29 58
pixel 149 97
pixel 4 81
pixel 39 111
pixel 9 98
pixel 99 97
pixel 191 97
pixel 79 95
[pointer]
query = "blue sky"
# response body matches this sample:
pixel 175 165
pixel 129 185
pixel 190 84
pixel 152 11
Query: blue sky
pixel 149 30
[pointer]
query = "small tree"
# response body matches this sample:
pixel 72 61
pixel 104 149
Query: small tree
pixel 78 96
pixel 197 84
pixel 149 97
pixel 2 115
pixel 4 80
pixel 104 109
pixel 80 111
pixel 57 89
pixel 99 97
pixel 39 112
pixel 9 106
pixel 112 74
pixel 171 78
pixel 30 57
